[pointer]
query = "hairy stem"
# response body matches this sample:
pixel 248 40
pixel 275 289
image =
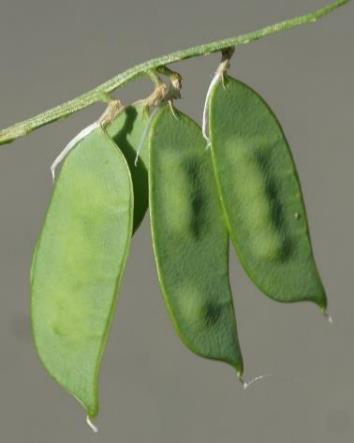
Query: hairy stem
pixel 99 94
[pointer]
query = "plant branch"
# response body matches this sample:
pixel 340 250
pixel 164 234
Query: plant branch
pixel 100 93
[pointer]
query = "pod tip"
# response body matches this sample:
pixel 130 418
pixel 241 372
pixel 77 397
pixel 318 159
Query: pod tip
pixel 247 384
pixel 91 425
pixel 328 317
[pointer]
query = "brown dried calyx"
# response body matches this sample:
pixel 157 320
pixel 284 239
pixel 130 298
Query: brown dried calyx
pixel 164 93
pixel 114 107
pixel 224 65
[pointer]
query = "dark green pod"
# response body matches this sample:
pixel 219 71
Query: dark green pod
pixel 128 131
pixel 190 239
pixel 261 195
pixel 79 262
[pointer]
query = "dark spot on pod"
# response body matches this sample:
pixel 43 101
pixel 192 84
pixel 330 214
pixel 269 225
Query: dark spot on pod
pixel 211 314
pixel 277 219
pixel 197 195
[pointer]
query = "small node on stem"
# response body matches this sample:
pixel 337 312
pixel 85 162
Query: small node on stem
pixel 105 97
pixel 162 94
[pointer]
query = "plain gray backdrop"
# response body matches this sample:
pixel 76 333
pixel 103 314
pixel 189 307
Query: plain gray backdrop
pixel 152 388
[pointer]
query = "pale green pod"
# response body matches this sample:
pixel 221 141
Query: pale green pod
pixel 129 130
pixel 261 195
pixel 78 264
pixel 190 239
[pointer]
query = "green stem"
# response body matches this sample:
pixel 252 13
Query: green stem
pixel 99 93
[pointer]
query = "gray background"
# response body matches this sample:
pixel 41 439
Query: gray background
pixel 152 388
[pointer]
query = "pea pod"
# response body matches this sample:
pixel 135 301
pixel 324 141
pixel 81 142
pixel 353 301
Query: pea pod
pixel 190 239
pixel 261 195
pixel 128 131
pixel 78 264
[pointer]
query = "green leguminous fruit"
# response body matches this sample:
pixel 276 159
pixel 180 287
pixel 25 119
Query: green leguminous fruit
pixel 190 239
pixel 261 195
pixel 128 130
pixel 78 264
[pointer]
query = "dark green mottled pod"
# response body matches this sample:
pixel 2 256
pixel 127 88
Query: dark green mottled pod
pixel 190 239
pixel 261 195
pixel 79 262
